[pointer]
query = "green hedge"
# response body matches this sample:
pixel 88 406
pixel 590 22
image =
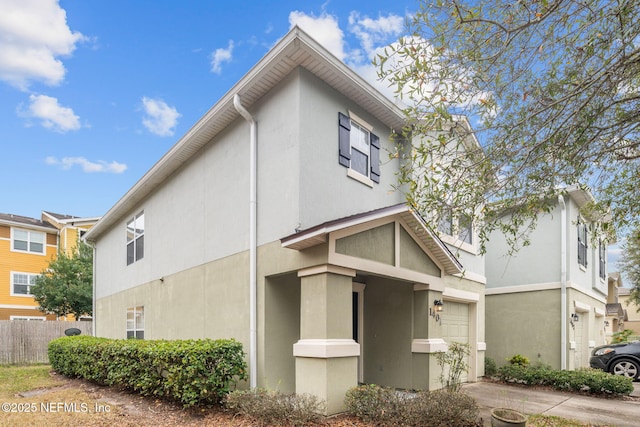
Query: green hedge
pixel 194 372
pixel 585 380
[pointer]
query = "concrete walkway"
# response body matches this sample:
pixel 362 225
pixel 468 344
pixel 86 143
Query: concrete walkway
pixel 598 411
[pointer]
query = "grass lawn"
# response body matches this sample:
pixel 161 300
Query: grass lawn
pixel 30 396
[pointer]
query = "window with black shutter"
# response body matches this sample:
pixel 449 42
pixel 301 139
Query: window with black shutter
pixel 582 244
pixel 359 148
pixel 602 251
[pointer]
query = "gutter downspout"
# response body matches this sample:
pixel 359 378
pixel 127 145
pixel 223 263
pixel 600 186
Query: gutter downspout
pixel 563 283
pixel 93 307
pixel 253 166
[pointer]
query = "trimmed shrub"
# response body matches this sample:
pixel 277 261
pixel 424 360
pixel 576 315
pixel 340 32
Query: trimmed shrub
pixel 386 406
pixel 372 403
pixel 490 367
pixel 584 380
pixel 518 359
pixel 621 336
pixel 275 408
pixel 193 372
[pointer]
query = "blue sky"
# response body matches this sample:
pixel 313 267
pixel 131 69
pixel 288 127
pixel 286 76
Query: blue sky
pixel 93 93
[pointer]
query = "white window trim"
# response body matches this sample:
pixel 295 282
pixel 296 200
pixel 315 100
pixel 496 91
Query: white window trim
pixel 354 117
pixel 44 242
pixel 12 293
pixel 454 239
pixel 351 173
pixel 41 318
pixel 136 236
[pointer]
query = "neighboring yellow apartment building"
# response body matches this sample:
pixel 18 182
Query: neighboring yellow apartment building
pixel 27 245
pixel 632 319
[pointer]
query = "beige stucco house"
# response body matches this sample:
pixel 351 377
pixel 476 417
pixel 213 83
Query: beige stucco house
pixel 548 301
pixel 274 221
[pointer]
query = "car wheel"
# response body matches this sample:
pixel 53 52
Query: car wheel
pixel 626 367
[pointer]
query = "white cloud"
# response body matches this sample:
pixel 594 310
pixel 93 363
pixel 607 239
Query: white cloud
pixel 324 29
pixel 220 56
pixel 160 119
pixel 87 166
pixel 371 36
pixel 52 115
pixel 33 35
pixel 373 33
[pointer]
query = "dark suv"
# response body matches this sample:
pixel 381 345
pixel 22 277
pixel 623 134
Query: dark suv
pixel 618 359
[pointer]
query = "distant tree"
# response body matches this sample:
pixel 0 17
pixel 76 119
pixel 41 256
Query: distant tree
pixel 552 90
pixel 65 287
pixel 629 264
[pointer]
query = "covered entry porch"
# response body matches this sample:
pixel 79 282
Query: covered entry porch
pixel 367 315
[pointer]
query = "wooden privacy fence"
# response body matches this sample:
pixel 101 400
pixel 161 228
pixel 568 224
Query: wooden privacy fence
pixel 23 342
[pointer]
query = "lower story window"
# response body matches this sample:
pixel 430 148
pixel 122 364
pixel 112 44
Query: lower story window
pixel 28 318
pixel 135 323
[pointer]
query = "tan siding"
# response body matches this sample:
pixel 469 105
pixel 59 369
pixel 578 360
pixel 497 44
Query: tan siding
pixel 5 232
pixel 20 262
pixel 52 239
pixel 6 313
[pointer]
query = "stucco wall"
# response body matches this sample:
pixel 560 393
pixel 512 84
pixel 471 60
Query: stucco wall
pixel 201 213
pixel 537 263
pixel 526 323
pixel 207 301
pixel 387 339
pixel 326 193
pixel 282 331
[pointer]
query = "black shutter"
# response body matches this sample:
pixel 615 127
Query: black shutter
pixel 375 158
pixel 343 138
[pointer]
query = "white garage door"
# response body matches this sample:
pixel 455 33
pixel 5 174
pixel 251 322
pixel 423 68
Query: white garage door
pixel 455 325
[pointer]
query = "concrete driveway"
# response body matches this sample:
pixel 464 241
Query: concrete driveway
pixel 595 410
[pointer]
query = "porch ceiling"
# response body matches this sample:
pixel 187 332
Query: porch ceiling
pixel 319 234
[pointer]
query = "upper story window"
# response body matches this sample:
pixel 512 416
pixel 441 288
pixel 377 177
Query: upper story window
pixel 135 238
pixel 445 225
pixel 359 149
pixel 602 255
pixel 465 229
pixel 460 228
pixel 28 241
pixel 21 283
pixel 582 243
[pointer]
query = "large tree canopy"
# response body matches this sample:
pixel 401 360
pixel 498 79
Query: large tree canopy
pixel 552 91
pixel 65 287
pixel 630 264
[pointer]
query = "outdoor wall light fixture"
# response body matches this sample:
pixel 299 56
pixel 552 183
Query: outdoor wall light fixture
pixel 437 308
pixel 573 319
pixel 606 323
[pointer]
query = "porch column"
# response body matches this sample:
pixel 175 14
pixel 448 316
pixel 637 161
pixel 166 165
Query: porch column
pixel 427 339
pixel 326 355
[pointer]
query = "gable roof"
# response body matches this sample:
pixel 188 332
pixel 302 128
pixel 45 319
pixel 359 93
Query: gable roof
pixel 295 49
pixel 318 234
pixel 68 219
pixel 26 222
